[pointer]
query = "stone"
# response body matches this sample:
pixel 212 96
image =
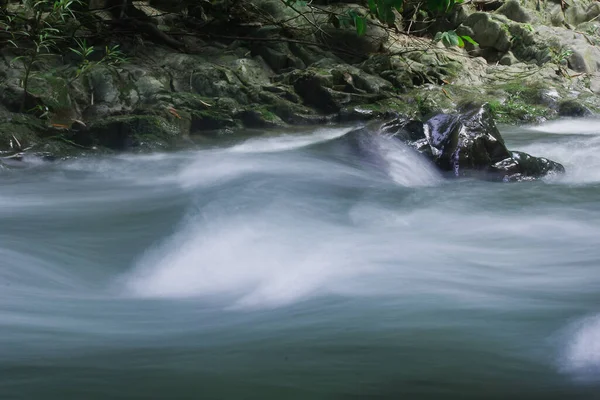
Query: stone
pixel 595 83
pixel 470 145
pixel 508 59
pixel 488 30
pixel 132 131
pixel 514 11
pixel 573 108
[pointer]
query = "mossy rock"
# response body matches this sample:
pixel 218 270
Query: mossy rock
pixel 259 118
pixel 573 108
pixel 21 127
pixel 209 120
pixel 133 131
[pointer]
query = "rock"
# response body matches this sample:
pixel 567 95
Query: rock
pixel 522 166
pixel 101 80
pixel 572 108
pixel 133 131
pixel 331 89
pixel 514 11
pixel 259 119
pixel 469 144
pixel 465 142
pixel 595 83
pixel 347 38
pixel 558 45
pixel 508 59
pixel 488 30
pixel 278 56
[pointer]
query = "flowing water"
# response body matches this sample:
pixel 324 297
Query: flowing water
pixel 284 268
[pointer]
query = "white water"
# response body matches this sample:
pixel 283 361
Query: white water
pixel 275 261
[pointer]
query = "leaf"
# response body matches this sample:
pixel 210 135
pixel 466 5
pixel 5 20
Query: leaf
pixel 398 5
pixel 469 39
pixel 450 39
pixel 174 112
pixel 373 7
pixel 390 18
pixel 361 25
pixel 461 42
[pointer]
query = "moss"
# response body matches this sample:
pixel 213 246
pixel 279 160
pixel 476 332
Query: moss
pixel 52 91
pixel 194 101
pixel 373 107
pixel 515 110
pixel 268 115
pixel 526 92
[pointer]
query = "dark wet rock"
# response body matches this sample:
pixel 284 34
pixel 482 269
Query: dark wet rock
pixel 133 131
pixel 259 119
pixel 573 108
pixel 331 89
pixel 469 145
pixel 464 142
pixel 522 166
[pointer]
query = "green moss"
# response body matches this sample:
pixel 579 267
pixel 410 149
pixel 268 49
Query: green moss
pixel 373 107
pixel 52 91
pixel 268 115
pixel 515 110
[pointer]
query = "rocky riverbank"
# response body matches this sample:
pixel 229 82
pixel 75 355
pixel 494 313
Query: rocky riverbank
pixel 536 60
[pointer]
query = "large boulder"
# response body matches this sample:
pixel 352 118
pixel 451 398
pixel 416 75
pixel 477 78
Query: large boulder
pixel 489 30
pixel 470 145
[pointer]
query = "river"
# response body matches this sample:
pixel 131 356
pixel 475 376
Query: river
pixel 274 268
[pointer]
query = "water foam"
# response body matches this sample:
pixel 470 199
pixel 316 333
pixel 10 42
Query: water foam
pixel 264 259
pixel 405 166
pixel 580 156
pixel 570 126
pixel 288 142
pixel 582 354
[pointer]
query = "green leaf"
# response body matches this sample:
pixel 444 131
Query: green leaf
pixel 361 25
pixel 461 43
pixel 451 39
pixel 373 7
pixel 469 39
pixel 398 5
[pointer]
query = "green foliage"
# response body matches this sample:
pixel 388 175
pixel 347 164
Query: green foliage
pixel 351 18
pixel 39 34
pixel 452 39
pixel 560 55
pixel 385 12
pixel 41 28
pixel 112 56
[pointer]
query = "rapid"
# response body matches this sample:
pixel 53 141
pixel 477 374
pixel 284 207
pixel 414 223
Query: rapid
pixel 280 267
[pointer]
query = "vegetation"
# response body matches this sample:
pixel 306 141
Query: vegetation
pixel 40 29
